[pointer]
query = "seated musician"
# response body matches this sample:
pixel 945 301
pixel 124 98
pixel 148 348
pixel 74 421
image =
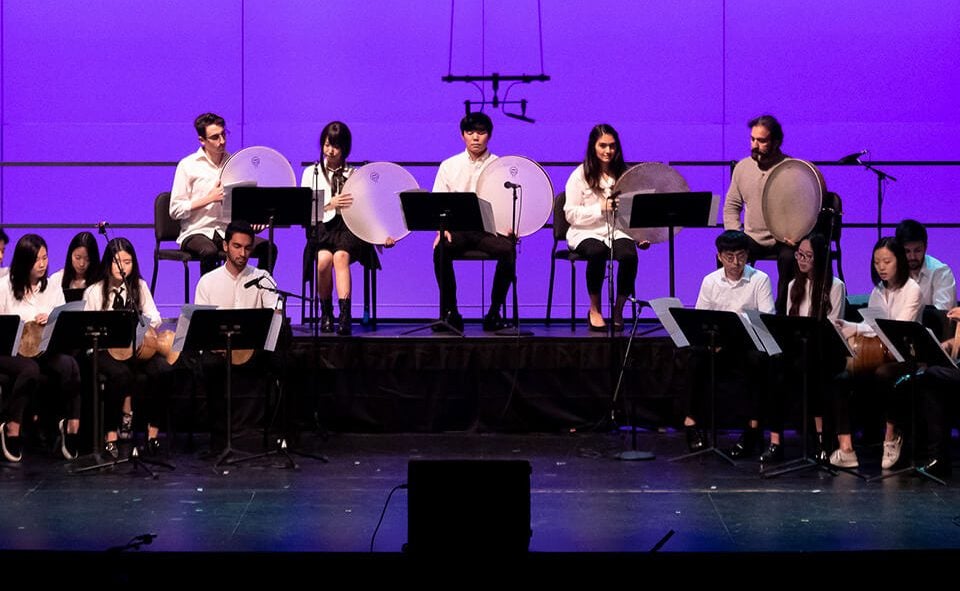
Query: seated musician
pixel 735 287
pixel 121 287
pixel 196 199
pixel 82 266
pixel 807 295
pixel 4 240
pixel 590 212
pixel 26 292
pixel 226 287
pixel 938 287
pixel 459 174
pixel 898 296
pixel 337 247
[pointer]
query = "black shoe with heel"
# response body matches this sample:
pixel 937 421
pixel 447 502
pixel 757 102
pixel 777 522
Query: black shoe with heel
pixel 326 315
pixel 344 326
pixel 696 440
pixel 747 445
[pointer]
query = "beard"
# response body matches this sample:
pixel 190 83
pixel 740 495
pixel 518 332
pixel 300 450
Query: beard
pixel 766 160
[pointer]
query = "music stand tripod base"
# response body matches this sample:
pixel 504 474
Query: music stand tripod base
pixel 635 456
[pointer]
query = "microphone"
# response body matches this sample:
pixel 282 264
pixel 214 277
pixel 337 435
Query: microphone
pixel 102 228
pixel 853 158
pixel 253 282
pixel 509 185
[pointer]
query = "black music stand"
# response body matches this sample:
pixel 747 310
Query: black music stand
pixel 713 329
pixel 74 330
pixel 444 212
pixel 9 334
pixel 913 343
pixel 272 206
pixel 672 210
pixel 226 330
pixel 806 338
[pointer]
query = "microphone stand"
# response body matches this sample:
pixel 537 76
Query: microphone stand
pixel 612 234
pixel 282 448
pixel 514 239
pixel 881 177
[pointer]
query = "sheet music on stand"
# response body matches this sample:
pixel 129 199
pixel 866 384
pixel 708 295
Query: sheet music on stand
pixel 758 333
pixel 661 307
pixel 10 324
pixel 925 346
pixel 186 312
pixel 227 203
pixel 52 321
pixel 766 339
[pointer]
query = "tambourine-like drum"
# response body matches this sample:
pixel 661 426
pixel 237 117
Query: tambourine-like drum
pixel 647 177
pixel 376 213
pixel 792 199
pixel 256 166
pixel 534 197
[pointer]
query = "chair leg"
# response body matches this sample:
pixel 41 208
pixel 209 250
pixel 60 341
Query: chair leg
pixel 156 267
pixel 186 282
pixel 553 270
pixel 573 296
pixel 373 299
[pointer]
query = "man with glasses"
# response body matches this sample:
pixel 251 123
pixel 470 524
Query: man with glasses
pixel 745 195
pixel 734 287
pixel 197 197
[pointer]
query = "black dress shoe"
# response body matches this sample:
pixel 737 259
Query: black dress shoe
pixel 493 322
pixel 695 438
pixel 938 467
pixel 773 453
pixel 747 445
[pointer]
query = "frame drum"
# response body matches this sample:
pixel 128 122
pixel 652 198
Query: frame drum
pixel 256 166
pixel 792 199
pixel 534 197
pixel 376 213
pixel 647 177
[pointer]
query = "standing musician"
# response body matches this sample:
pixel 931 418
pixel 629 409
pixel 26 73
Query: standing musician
pixel 735 287
pixel 746 195
pixel 233 286
pixel 27 293
pixel 590 209
pixel 197 197
pixel 121 287
pixel 335 244
pixel 459 174
pixel 899 297
pixel 807 295
pixel 82 266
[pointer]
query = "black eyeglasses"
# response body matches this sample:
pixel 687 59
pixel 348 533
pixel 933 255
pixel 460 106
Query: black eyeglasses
pixel 220 136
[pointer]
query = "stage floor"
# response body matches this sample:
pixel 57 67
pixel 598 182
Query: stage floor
pixel 583 499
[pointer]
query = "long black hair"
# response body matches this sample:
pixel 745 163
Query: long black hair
pixel 24 258
pixel 903 269
pixel 88 241
pixel 821 276
pixel 592 170
pixel 113 248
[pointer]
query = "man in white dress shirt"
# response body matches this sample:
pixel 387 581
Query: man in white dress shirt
pixel 196 199
pixel 735 287
pixel 937 283
pixel 459 174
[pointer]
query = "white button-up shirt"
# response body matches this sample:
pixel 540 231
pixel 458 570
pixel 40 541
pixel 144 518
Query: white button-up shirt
pixel 34 301
pixel 838 299
pixel 93 300
pixel 751 292
pixel 196 176
pixel 938 287
pixel 584 210
pixel 222 289
pixel 459 174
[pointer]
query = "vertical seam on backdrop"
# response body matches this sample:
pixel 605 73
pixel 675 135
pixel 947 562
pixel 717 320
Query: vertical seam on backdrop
pixel 243 66
pixel 3 119
pixel 723 79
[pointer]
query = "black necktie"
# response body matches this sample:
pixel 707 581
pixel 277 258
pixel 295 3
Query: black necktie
pixel 338 180
pixel 118 303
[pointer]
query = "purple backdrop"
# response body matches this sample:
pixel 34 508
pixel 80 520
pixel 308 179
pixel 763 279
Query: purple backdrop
pixel 110 81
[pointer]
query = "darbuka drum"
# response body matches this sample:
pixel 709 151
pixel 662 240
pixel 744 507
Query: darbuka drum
pixel 376 214
pixel 535 195
pixel 30 339
pixel 256 166
pixel 869 353
pixel 648 177
pixel 792 199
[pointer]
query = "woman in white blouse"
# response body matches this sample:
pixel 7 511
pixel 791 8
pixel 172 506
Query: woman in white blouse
pixel 121 287
pixel 899 297
pixel 82 264
pixel 27 292
pixel 807 296
pixel 591 214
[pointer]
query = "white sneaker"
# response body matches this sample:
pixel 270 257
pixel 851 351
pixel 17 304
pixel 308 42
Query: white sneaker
pixel 844 459
pixel 891 452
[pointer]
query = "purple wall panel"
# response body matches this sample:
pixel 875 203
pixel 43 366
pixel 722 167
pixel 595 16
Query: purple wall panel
pixel 679 80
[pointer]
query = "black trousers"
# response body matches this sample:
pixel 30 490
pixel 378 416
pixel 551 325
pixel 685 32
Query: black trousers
pixel 208 251
pixel 741 381
pixel 879 385
pixel 120 381
pixel 937 390
pixel 597 255
pixel 495 245
pixel 786 265
pixel 63 375
pixel 23 374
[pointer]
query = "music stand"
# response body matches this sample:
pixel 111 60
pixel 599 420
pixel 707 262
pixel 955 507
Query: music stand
pixel 272 206
pixel 226 330
pixel 713 329
pixel 444 212
pixel 71 330
pixel 911 342
pixel 806 338
pixel 696 209
pixel 10 331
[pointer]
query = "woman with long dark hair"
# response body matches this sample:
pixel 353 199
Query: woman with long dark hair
pixel 82 265
pixel 589 209
pixel 27 292
pixel 121 287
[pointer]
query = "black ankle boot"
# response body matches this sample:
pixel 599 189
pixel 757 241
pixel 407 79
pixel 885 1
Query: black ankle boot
pixel 326 315
pixel 747 445
pixel 344 327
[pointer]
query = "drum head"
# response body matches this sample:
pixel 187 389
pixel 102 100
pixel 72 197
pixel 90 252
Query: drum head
pixel 792 199
pixel 376 213
pixel 648 177
pixel 535 195
pixel 256 166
